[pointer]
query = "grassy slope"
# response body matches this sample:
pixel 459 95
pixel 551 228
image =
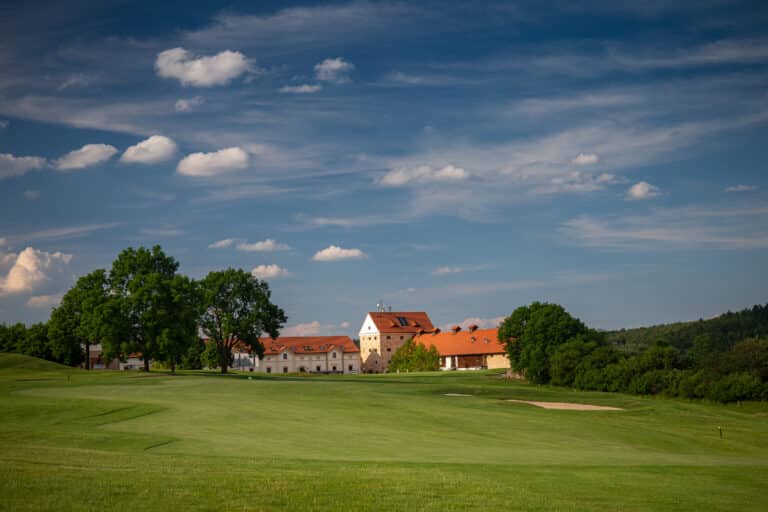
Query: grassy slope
pixel 71 439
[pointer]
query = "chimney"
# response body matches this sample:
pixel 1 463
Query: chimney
pixel 456 328
pixel 472 328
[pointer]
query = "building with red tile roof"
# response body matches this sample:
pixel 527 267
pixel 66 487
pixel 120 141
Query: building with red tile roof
pixel 310 354
pixel 466 348
pixel 383 332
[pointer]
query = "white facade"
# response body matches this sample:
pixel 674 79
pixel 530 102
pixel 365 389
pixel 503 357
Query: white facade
pixel 333 361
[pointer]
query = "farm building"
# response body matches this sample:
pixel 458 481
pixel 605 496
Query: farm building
pixel 472 348
pixel 383 332
pixel 310 354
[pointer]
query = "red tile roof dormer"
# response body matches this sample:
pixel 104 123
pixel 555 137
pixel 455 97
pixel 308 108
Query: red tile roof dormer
pixel 412 321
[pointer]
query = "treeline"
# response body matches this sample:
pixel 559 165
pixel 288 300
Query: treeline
pixel 548 345
pixel 143 306
pixel 724 331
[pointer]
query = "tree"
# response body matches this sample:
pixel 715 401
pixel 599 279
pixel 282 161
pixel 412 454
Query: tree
pixel 237 309
pixel 77 321
pixel 414 357
pixel 532 334
pixel 140 309
pixel 179 318
pixel 36 342
pixel 12 337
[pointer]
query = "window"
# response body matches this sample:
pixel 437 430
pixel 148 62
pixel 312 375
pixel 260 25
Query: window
pixel 334 368
pixel 350 367
pixel 389 349
pixel 389 337
pixel 285 370
pixel 333 355
pixel 285 355
pixel 302 369
pixel 403 321
pixel 317 368
pixel 401 337
pixel 269 370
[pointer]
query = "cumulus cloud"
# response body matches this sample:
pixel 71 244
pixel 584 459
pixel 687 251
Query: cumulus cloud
pixel 87 156
pixel 305 329
pixel 272 271
pixel 334 70
pixel 31 268
pixel 482 323
pixel 741 188
pixel 155 149
pixel 336 253
pixel 301 89
pixel 642 190
pixel 219 69
pixel 44 301
pixel 211 164
pixel 222 244
pixel 422 174
pixel 11 165
pixel 188 104
pixel 267 245
pixel 585 159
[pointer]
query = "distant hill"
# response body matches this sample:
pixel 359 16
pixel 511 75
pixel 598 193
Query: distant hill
pixel 721 333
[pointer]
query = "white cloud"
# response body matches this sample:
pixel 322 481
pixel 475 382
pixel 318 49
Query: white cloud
pixel 30 269
pixel 576 182
pixel 87 156
pixel 222 244
pixel 76 80
pixel 11 165
pixel 741 188
pixel 267 245
pixel 345 325
pixel 219 69
pixel 674 229
pixel 162 232
pixel 188 104
pixel 272 271
pixel 305 329
pixel 482 323
pixel 32 194
pixel 44 301
pixel 155 149
pixel 585 159
pixel 422 174
pixel 336 253
pixel 211 164
pixel 642 190
pixel 301 89
pixel 458 269
pixel 334 70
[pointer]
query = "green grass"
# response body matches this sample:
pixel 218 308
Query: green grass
pixel 76 440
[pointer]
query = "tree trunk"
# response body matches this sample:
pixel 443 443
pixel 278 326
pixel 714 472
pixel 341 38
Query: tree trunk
pixel 173 367
pixel 224 359
pixel 146 363
pixel 87 355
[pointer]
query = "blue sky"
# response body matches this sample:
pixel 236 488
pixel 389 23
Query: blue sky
pixel 608 156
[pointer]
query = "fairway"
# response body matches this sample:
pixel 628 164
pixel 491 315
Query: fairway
pixel 76 440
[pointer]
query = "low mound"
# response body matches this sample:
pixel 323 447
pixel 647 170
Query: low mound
pixel 568 406
pixel 22 362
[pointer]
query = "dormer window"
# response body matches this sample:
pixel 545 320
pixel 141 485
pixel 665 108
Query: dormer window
pixel 403 321
pixel 333 355
pixel 285 355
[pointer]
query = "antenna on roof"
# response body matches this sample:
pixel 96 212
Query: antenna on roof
pixel 380 306
pixel 389 308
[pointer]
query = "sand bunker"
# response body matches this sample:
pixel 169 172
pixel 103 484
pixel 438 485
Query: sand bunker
pixel 568 406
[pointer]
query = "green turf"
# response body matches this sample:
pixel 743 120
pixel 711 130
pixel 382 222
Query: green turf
pixel 76 440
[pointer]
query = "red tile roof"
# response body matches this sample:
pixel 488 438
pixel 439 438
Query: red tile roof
pixel 309 344
pixel 464 342
pixel 390 321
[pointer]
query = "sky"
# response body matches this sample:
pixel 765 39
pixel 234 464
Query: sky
pixel 461 159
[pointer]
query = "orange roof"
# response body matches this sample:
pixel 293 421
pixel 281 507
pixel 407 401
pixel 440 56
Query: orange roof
pixel 309 344
pixel 402 321
pixel 464 342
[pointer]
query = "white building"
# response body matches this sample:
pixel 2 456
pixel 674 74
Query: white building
pixel 383 332
pixel 310 354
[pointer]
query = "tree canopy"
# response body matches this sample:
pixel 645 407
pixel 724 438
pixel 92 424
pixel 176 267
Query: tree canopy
pixel 414 357
pixel 236 308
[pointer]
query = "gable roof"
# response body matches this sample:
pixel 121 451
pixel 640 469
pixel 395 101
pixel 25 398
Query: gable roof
pixel 308 344
pixel 463 342
pixel 410 322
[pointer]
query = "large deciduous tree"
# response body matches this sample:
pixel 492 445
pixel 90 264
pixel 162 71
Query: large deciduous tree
pixel 236 308
pixel 179 318
pixel 141 306
pixel 77 321
pixel 532 334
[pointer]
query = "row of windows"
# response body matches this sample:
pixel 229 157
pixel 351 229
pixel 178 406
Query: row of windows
pixel 285 356
pixel 317 368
